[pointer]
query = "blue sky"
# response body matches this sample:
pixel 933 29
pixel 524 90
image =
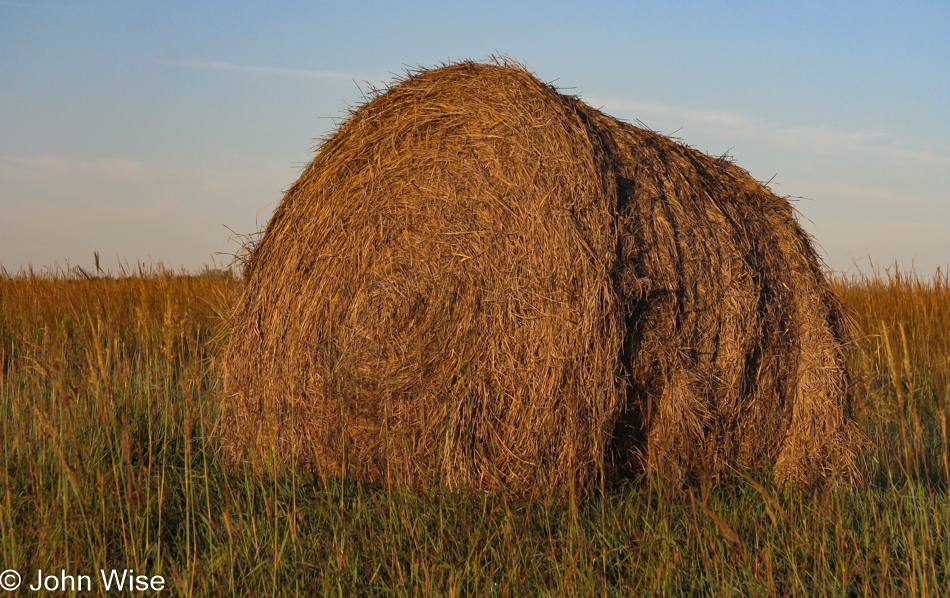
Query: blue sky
pixel 146 130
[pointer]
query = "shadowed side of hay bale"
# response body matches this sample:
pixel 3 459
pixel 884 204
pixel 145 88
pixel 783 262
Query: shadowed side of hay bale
pixel 734 336
pixel 433 296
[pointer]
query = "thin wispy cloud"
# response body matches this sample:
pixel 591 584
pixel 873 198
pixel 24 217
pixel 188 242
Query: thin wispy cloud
pixel 52 167
pixel 218 65
pixel 69 178
pixel 874 143
pixel 658 110
pixel 25 4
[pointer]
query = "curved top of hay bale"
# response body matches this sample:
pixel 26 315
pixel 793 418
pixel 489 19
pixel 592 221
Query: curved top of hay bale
pixel 480 279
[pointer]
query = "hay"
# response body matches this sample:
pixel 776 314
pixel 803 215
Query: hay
pixel 483 281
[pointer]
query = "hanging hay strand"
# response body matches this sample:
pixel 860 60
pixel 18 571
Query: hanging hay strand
pixel 481 281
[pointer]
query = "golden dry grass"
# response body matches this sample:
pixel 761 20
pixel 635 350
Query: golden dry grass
pixel 900 357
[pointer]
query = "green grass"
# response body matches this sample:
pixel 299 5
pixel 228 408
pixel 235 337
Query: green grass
pixel 107 419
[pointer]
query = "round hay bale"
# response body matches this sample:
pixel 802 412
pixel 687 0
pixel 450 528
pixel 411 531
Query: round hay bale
pixel 482 281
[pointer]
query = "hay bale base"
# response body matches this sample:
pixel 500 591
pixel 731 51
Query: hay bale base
pixel 481 281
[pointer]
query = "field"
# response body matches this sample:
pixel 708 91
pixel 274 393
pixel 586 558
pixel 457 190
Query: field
pixel 109 461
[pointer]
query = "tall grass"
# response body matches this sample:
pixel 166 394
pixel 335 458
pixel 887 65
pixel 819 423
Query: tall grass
pixel 109 460
pixel 901 364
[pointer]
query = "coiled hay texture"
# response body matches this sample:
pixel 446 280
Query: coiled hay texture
pixel 481 281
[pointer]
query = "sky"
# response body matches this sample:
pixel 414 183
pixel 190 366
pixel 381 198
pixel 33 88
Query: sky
pixel 162 131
